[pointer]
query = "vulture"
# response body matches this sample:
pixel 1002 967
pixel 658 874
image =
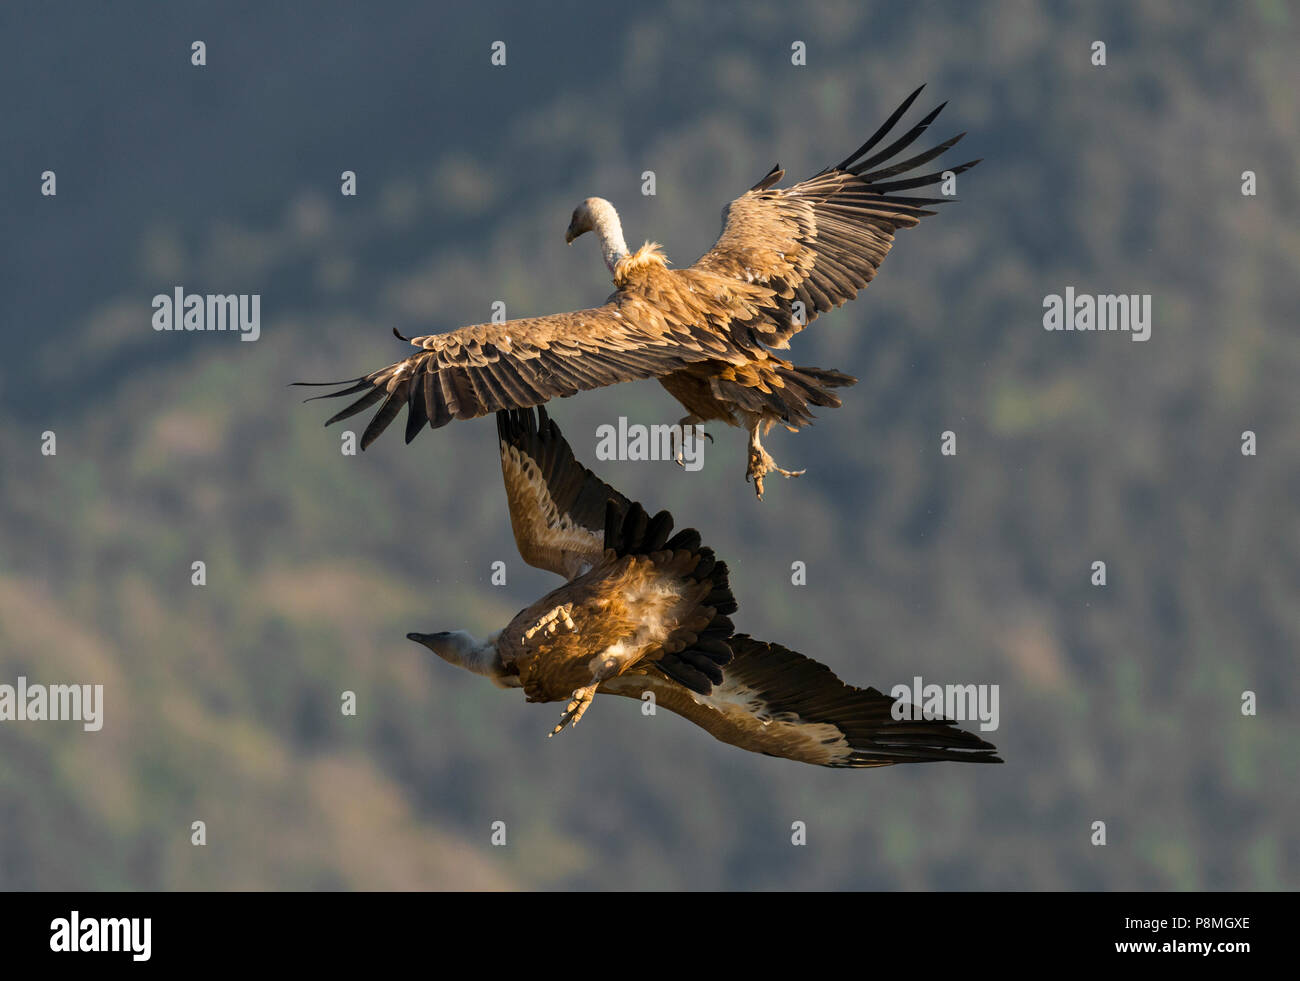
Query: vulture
pixel 644 609
pixel 707 332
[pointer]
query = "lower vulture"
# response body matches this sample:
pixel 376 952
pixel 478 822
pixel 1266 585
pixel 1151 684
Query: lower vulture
pixel 644 609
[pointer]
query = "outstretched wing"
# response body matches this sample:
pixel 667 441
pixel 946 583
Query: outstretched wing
pixel 516 364
pixel 557 506
pixel 821 241
pixel 775 701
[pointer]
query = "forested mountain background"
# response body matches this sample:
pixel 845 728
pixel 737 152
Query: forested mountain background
pixel 1119 704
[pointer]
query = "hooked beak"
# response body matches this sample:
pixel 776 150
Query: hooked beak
pixel 428 640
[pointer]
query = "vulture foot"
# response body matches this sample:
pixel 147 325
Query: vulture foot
pixel 761 464
pixel 573 713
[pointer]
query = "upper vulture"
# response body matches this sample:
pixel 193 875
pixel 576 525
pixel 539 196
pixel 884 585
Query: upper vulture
pixel 707 332
pixel 645 610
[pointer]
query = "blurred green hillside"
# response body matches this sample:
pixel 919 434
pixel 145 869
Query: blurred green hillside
pixel 1118 704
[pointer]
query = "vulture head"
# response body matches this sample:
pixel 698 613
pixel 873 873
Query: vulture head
pixel 584 219
pixel 452 646
pixel 460 648
pixel 598 215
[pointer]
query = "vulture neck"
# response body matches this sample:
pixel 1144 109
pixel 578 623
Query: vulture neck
pixel 483 658
pixel 605 223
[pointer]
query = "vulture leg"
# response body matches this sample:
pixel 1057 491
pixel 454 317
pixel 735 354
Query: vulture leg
pixel 760 461
pixel 582 698
pixel 682 423
pixel 605 665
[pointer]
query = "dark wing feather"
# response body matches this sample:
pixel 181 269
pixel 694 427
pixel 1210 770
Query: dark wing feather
pixel 557 506
pixel 775 701
pixel 692 656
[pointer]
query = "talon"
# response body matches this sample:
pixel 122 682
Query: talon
pixel 684 423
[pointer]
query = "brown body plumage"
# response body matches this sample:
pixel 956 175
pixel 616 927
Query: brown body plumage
pixel 707 332
pixel 626 610
pixel 646 611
